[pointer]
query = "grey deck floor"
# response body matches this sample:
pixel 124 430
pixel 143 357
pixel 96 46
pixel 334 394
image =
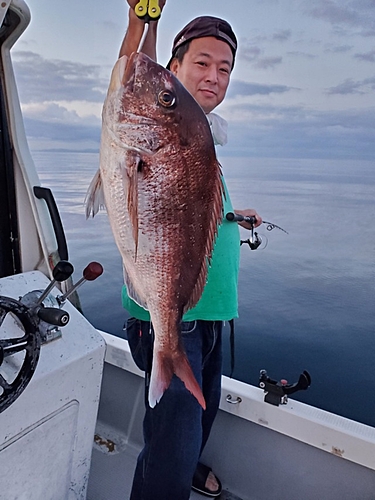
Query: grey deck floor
pixel 112 474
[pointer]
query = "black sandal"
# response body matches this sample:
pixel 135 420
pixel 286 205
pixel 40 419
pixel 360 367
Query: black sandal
pixel 199 481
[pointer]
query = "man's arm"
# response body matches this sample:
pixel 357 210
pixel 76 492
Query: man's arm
pixel 134 33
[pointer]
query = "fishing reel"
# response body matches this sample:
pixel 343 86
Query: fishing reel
pixel 277 391
pixel 38 316
pixel 255 240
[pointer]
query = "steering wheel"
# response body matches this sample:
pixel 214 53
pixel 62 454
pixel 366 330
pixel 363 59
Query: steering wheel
pixel 29 344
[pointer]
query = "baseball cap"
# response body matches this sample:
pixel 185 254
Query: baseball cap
pixel 205 26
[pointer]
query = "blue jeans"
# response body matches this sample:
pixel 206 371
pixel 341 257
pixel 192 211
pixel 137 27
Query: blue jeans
pixel 176 430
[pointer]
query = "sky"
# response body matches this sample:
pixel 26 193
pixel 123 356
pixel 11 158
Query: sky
pixel 302 87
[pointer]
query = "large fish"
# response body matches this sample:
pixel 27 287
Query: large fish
pixel 163 194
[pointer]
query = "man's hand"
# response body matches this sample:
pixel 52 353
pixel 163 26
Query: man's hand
pixel 132 3
pixel 249 212
pixel 135 31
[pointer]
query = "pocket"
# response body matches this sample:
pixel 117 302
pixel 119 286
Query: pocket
pixel 134 336
pixel 188 327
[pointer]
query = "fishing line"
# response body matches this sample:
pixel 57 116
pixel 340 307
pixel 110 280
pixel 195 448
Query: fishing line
pixel 271 225
pixel 145 32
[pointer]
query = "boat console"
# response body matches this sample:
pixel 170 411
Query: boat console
pixel 51 362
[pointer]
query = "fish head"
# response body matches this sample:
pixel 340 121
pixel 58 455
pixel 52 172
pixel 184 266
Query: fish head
pixel 148 107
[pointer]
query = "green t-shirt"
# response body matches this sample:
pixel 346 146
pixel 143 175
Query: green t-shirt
pixel 219 301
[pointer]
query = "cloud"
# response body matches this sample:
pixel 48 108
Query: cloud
pixel 299 53
pixel 282 35
pixel 254 130
pixel 368 56
pixel 296 131
pixel 51 92
pixel 49 124
pixel 250 49
pixel 338 49
pixel 252 53
pixel 40 79
pixel 51 112
pixel 72 133
pixel 350 86
pixel 335 13
pixel 349 14
pixel 268 62
pixel 240 88
pixel 60 101
pixel 249 52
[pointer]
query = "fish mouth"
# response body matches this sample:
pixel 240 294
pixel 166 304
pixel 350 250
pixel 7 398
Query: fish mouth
pixel 125 79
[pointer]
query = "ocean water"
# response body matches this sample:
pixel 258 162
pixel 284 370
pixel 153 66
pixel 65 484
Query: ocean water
pixel 306 298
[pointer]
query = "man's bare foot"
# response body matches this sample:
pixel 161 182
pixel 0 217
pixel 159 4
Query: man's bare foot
pixel 211 482
pixel 205 481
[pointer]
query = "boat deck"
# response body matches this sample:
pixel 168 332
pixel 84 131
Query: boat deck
pixel 259 451
pixel 118 439
pixel 112 474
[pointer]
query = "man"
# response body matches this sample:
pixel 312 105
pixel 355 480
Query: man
pixel 177 429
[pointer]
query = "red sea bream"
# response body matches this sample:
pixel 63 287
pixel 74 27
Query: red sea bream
pixel 163 194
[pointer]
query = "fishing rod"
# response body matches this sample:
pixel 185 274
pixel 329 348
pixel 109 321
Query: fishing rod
pixel 255 240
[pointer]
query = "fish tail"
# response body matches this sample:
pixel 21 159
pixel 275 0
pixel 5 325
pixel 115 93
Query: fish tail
pixel 184 372
pixel 161 376
pixel 162 372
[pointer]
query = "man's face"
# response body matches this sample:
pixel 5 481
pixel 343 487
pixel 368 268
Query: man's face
pixel 205 71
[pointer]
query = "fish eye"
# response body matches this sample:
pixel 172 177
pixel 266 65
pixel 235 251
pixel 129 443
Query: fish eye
pixel 166 98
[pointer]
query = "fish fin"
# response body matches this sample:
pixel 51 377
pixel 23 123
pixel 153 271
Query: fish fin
pixel 217 213
pixel 117 75
pixel 132 293
pixel 163 368
pixel 215 221
pixel 94 199
pixel 199 286
pixel 131 182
